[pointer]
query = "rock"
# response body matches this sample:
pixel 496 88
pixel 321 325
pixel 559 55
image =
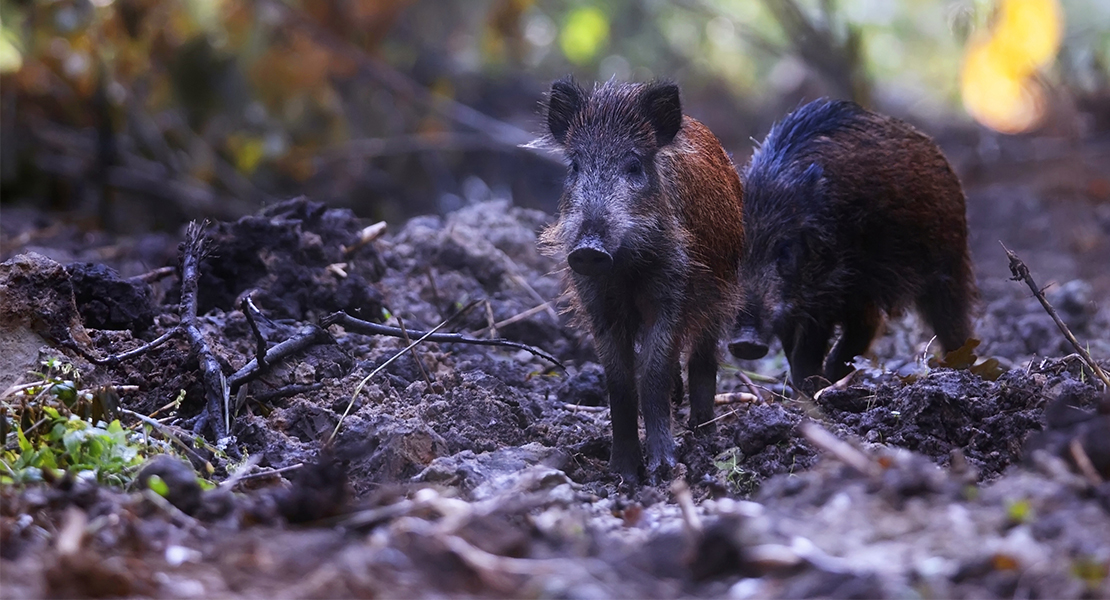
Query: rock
pixel 37 309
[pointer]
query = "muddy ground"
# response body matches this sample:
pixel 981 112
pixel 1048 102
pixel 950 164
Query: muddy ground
pixel 474 470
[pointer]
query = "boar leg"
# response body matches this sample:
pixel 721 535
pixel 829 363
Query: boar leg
pixel 702 374
pixel 946 305
pixel 658 362
pixel 620 381
pixel 860 325
pixel 806 351
pixel 679 392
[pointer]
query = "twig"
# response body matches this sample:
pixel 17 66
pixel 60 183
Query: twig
pixel 1083 462
pixel 248 308
pixel 492 327
pixel 289 390
pixel 366 327
pixel 270 472
pixel 718 418
pixel 843 451
pixel 685 501
pixel 546 306
pixel 309 335
pixel 367 235
pixel 116 358
pixel 735 398
pixel 415 356
pixel 362 383
pixel 749 384
pixel 581 408
pixel 166 430
pixel 155 275
pixel 1021 273
pixel 216 389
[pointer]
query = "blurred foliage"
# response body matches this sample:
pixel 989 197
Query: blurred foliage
pixel 144 113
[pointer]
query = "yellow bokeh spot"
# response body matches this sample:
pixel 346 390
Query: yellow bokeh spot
pixel 1028 32
pixel 998 82
pixel 584 34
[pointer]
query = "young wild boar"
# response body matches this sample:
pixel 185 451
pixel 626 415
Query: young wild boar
pixel 651 223
pixel 848 214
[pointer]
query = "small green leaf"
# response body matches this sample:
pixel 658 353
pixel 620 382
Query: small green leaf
pixel 158 486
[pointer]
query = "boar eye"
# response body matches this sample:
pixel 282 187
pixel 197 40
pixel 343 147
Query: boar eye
pixel 633 166
pixel 573 166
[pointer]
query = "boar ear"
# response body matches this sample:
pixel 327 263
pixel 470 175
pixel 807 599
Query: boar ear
pixel 663 109
pixel 567 99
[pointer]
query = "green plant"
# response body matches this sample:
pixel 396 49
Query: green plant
pixel 52 423
pixel 739 480
pixel 106 452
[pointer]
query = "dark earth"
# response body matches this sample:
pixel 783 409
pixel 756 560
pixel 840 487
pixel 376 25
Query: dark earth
pixel 467 470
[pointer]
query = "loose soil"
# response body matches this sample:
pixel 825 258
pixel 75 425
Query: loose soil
pixel 468 470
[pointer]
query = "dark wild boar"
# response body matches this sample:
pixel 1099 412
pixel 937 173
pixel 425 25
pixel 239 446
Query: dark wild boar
pixel 848 214
pixel 650 223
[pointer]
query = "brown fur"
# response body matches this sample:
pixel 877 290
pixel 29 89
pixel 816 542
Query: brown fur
pixel 669 239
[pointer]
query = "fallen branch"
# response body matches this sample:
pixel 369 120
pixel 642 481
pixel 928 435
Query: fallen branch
pixel 216 390
pixel 1021 273
pixel 366 327
pixel 309 335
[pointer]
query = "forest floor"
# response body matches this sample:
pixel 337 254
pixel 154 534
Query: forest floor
pixel 464 469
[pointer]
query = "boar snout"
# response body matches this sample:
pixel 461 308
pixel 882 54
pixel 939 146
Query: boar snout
pixel 747 344
pixel 590 258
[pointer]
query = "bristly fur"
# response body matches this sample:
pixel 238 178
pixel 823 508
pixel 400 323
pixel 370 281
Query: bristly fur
pixel 653 193
pixel 850 214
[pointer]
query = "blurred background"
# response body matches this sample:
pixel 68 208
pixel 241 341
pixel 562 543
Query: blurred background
pixel 137 115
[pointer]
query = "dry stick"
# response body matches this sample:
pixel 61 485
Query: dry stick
pixel 546 306
pixel 415 356
pixel 248 308
pixel 685 501
pixel 167 431
pixel 1083 462
pixel 492 327
pixel 284 392
pixel 309 335
pixel 531 291
pixel 216 390
pixel 155 275
pixel 718 418
pixel 367 235
pixel 845 452
pixel 749 384
pixel 584 408
pixel 271 472
pixel 366 327
pixel 115 358
pixel 1021 273
pixel 735 398
pixel 385 364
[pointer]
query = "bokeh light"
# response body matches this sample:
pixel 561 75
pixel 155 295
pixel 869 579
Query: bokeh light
pixel 998 81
